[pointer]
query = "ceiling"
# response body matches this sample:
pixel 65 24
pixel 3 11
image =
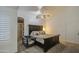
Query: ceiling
pixel 29 8
pixel 40 8
pixel 49 11
pixel 46 11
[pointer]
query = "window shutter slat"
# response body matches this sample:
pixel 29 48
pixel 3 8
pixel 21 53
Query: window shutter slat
pixel 4 27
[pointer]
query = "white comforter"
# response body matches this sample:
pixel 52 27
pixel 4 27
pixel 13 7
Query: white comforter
pixel 40 38
pixel 43 36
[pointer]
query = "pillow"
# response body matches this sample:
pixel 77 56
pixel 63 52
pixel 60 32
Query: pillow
pixel 42 32
pixel 34 33
pixel 37 33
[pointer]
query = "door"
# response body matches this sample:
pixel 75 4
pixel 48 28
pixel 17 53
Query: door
pixel 20 33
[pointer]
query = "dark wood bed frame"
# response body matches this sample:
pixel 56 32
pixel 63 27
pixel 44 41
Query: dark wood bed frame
pixel 35 28
pixel 48 43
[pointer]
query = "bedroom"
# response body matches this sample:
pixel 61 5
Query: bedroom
pixel 56 20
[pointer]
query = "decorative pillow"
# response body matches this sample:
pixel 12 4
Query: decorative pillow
pixel 34 33
pixel 42 32
pixel 37 33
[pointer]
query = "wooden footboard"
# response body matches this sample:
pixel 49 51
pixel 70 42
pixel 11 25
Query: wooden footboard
pixel 48 43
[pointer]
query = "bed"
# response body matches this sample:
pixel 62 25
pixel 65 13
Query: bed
pixel 43 40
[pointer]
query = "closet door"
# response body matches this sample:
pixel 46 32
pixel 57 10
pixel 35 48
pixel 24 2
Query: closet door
pixel 20 33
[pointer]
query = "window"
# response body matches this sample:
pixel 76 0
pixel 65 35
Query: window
pixel 4 27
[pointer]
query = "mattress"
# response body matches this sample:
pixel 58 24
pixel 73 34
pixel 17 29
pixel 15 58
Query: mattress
pixel 40 38
pixel 43 36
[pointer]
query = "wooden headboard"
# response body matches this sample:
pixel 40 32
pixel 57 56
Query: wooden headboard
pixel 35 28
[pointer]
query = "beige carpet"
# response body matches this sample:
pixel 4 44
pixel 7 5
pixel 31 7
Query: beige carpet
pixel 64 49
pixel 33 49
pixel 59 48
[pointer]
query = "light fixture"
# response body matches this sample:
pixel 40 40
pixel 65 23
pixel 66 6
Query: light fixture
pixel 45 14
pixel 43 29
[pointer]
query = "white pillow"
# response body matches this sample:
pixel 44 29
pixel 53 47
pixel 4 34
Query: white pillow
pixel 37 33
pixel 42 32
pixel 34 33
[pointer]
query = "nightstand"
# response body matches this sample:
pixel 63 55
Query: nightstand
pixel 28 42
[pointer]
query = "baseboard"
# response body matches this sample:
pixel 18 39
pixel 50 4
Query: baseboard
pixel 69 43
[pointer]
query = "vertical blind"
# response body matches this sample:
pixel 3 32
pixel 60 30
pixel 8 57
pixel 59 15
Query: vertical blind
pixel 4 27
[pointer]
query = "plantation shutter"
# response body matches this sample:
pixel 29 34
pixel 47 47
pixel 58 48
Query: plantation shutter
pixel 4 27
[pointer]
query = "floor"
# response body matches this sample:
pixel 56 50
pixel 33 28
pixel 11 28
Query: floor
pixel 59 48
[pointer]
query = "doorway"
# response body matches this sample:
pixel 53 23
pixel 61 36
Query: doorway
pixel 20 33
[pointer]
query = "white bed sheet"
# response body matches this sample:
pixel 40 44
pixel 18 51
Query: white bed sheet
pixel 40 38
pixel 43 36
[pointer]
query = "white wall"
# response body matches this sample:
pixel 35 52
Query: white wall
pixel 10 45
pixel 66 24
pixel 29 17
